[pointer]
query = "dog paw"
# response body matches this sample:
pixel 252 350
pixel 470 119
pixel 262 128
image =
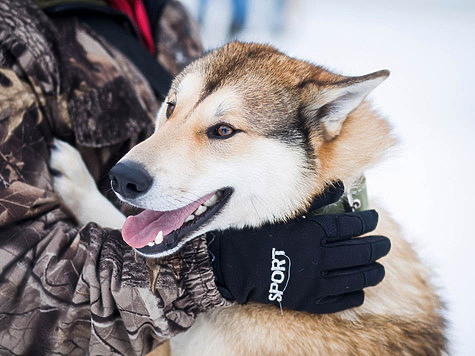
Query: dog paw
pixel 66 162
pixel 76 187
pixel 71 179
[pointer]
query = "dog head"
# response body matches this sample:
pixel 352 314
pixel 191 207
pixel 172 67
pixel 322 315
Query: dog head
pixel 246 136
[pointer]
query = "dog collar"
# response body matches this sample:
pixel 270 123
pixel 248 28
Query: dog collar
pixel 354 200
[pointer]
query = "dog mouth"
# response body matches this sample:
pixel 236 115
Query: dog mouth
pixel 160 233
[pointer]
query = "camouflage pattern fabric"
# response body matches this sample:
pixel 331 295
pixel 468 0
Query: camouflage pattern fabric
pixel 67 289
pixel 177 38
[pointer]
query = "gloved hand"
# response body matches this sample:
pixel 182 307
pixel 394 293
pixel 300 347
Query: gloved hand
pixel 311 264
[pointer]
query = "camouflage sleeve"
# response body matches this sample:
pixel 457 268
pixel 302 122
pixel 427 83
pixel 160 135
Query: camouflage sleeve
pixel 64 289
pixel 177 38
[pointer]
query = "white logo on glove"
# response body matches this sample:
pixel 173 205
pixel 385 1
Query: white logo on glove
pixel 280 268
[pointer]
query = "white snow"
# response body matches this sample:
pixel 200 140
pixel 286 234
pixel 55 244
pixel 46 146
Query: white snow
pixel 430 49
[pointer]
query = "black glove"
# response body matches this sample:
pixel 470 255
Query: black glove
pixel 311 264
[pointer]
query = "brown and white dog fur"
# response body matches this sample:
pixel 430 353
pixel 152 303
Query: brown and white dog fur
pixel 300 128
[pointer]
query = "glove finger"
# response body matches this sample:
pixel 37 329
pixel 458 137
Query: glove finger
pixel 352 279
pixel 330 195
pixel 354 252
pixel 348 225
pixel 338 303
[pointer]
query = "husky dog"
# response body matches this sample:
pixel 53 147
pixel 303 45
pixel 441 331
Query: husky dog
pixel 248 136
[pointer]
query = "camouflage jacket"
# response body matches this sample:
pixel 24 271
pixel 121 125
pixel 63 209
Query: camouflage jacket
pixel 66 289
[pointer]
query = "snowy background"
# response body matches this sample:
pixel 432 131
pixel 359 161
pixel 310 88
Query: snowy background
pixel 429 46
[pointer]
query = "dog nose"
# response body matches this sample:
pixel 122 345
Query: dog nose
pixel 130 179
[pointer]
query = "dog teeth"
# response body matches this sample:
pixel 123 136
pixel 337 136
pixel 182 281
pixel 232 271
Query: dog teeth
pixel 159 237
pixel 211 201
pixel 201 209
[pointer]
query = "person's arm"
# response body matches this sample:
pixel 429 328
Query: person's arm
pixel 78 290
pixel 68 289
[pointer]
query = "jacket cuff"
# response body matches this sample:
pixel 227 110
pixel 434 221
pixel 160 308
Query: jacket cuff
pixel 198 277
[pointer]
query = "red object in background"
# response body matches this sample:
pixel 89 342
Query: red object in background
pixel 135 10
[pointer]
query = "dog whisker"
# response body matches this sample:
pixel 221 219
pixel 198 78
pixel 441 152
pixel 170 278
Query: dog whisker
pixel 255 209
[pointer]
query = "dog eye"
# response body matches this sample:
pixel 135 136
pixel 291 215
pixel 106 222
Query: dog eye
pixel 221 131
pixel 224 130
pixel 170 109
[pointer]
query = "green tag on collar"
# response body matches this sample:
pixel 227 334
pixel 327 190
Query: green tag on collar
pixel 355 200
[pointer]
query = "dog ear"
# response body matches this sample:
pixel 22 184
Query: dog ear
pixel 326 105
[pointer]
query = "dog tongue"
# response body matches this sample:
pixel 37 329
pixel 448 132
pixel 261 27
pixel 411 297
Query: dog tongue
pixel 141 229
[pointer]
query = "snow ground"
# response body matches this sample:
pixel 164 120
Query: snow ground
pixel 430 49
